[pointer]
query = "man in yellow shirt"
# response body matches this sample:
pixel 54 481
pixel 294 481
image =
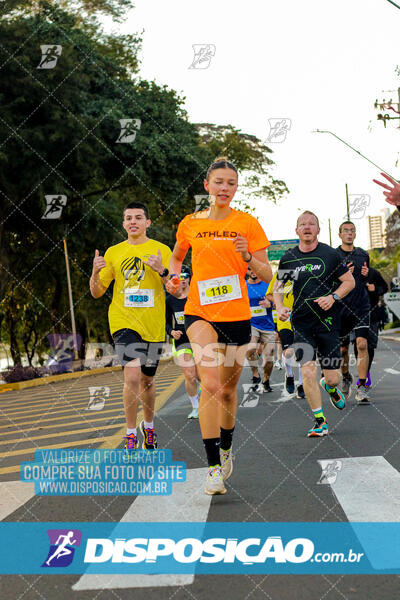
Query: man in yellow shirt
pixel 286 336
pixel 136 314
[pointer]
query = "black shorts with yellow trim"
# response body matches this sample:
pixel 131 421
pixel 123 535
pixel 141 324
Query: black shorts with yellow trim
pixel 286 337
pixel 181 348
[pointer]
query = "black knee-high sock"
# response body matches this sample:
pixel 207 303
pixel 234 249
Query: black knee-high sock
pixel 371 353
pixel 226 438
pixel 212 450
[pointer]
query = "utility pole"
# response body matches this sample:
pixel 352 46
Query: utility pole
pixel 347 204
pixel 71 303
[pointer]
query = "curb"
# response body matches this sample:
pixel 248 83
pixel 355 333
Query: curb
pixel 390 338
pixel 20 385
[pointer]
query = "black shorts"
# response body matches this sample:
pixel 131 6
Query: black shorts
pixel 359 320
pixel 130 345
pixel 373 335
pixel 286 336
pixel 316 342
pixel 232 333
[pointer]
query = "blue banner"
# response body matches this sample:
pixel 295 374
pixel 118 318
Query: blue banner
pixel 200 548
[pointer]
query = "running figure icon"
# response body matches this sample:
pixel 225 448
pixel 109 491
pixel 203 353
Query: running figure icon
pixel 62 549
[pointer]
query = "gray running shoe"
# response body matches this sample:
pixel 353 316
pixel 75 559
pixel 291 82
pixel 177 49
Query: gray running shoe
pixel 346 386
pixel 362 395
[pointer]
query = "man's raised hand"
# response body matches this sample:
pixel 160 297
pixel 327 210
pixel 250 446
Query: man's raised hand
pixel 155 262
pixel 98 263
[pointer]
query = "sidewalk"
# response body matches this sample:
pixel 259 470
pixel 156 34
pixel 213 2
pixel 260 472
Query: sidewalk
pixel 390 334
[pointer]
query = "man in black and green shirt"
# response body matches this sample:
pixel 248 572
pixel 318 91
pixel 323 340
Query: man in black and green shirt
pixel 320 281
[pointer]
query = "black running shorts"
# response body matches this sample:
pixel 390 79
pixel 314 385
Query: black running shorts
pixel 130 345
pixel 232 333
pixel 310 343
pixel 358 321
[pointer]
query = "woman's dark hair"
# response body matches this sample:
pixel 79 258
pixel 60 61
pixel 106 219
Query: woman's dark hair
pixel 220 163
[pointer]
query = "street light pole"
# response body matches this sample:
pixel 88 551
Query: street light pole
pixel 71 303
pixel 394 3
pixel 330 232
pixel 347 203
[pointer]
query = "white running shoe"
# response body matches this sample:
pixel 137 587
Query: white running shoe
pixel 194 414
pixel 215 481
pixel 226 462
pixel 278 365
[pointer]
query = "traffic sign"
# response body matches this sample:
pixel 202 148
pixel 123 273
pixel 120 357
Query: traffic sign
pixel 278 248
pixel 392 300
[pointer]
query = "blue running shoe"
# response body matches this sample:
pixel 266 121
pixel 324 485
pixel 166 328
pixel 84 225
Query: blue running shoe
pixel 337 398
pixel 319 430
pixel 368 383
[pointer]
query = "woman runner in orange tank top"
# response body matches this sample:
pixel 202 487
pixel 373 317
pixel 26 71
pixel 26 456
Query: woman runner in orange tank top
pixel 217 311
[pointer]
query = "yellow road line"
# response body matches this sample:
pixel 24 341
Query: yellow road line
pixel 62 445
pixel 46 420
pixel 57 425
pixel 24 440
pixel 63 406
pixel 13 469
pixel 112 441
pixel 59 405
pixel 74 397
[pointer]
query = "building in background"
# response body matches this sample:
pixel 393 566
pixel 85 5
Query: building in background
pixel 376 232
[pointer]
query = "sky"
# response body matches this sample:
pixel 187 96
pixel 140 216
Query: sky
pixel 319 64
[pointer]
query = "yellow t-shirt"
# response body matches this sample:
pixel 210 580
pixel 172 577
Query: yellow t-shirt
pixel 138 300
pixel 288 300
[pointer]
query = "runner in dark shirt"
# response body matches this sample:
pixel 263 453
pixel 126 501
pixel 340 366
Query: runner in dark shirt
pixel 376 287
pixel 355 312
pixel 181 348
pixel 320 281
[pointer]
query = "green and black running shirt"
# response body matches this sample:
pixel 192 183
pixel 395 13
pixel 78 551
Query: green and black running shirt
pixel 314 274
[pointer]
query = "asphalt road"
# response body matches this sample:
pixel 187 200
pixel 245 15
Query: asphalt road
pixel 275 478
